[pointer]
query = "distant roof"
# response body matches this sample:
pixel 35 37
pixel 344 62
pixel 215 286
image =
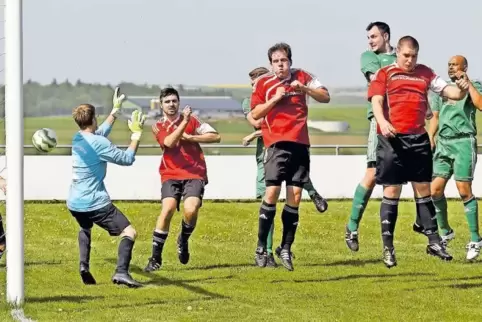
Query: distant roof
pixel 219 103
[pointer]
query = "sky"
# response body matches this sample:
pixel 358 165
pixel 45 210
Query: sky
pixel 202 42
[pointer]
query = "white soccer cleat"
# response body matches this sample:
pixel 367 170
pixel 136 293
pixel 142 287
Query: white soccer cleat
pixel 473 250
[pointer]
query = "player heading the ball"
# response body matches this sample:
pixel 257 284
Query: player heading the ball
pixel 88 200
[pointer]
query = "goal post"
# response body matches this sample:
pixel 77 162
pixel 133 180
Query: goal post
pixel 14 137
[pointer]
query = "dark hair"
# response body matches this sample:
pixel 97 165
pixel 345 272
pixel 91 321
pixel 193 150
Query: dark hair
pixel 382 26
pixel 410 41
pixel 167 92
pixel 258 71
pixel 280 47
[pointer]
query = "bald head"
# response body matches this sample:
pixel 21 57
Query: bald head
pixel 457 63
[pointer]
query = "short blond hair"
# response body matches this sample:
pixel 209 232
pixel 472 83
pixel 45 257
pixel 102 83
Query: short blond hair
pixel 84 115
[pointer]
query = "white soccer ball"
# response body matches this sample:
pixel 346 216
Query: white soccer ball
pixel 44 140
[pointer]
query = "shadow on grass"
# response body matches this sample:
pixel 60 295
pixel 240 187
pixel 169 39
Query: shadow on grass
pixel 219 266
pixel 349 262
pixel 159 280
pixel 351 277
pixel 63 298
pixel 37 263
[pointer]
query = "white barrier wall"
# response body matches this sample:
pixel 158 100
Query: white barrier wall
pixel 230 177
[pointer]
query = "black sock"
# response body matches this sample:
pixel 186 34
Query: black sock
pixel 124 254
pixel 186 231
pixel 158 241
pixel 426 209
pixel 290 218
pixel 388 220
pixel 267 212
pixel 2 232
pixel 418 219
pixel 84 247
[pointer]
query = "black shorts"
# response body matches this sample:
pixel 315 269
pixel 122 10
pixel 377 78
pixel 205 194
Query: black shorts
pixel 108 218
pixel 178 189
pixel 288 162
pixel 404 158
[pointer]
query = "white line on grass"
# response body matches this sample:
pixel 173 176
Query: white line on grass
pixel 18 315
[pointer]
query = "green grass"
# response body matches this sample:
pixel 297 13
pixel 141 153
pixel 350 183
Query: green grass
pixel 221 284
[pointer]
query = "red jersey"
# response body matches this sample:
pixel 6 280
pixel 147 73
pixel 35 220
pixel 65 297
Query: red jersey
pixel 406 96
pixel 185 160
pixel 287 120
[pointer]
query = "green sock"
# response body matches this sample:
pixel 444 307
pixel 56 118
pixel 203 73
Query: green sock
pixel 269 243
pixel 441 211
pixel 360 200
pixel 472 214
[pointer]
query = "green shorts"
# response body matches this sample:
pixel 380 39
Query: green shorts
pixel 372 144
pixel 455 156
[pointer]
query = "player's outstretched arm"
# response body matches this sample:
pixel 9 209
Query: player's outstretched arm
pixel 117 100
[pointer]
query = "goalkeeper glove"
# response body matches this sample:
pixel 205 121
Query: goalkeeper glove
pixel 117 101
pixel 136 125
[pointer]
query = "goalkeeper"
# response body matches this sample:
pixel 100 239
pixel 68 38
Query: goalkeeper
pixel 88 201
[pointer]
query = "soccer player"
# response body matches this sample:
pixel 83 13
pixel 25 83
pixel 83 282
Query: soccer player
pixel 280 97
pixel 183 173
pixel 88 200
pixel 320 203
pixel 454 130
pixel 3 241
pixel 380 54
pixel 398 94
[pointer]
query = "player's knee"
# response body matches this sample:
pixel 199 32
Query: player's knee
pixel 130 232
pixel 272 194
pixel 392 192
pixel 293 195
pixel 191 206
pixel 370 179
pixel 465 190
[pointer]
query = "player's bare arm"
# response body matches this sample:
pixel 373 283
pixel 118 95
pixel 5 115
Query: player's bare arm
pixel 261 110
pixel 249 138
pixel 385 126
pixel 173 139
pixel 320 94
pixel 433 128
pixel 456 92
pixel 255 123
pixel 210 137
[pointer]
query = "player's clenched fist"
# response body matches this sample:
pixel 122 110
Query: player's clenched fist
pixel 280 93
pixel 186 113
pixel 297 85
pixel 462 81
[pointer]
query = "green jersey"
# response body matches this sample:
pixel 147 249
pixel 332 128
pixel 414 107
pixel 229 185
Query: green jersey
pixel 370 63
pixel 456 118
pixel 246 105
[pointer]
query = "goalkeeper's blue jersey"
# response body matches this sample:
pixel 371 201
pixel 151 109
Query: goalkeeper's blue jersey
pixel 90 154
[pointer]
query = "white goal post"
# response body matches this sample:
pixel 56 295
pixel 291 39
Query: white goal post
pixel 14 133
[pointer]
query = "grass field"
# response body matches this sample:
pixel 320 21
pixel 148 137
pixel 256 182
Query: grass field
pixel 220 283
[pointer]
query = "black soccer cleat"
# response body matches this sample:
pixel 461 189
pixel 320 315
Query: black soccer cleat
pixel 389 258
pixel 270 262
pixel 351 239
pixel 439 251
pixel 182 251
pixel 86 275
pixel 418 229
pixel 261 257
pixel 278 252
pixel 320 203
pixel 125 279
pixel 153 265
pixel 286 259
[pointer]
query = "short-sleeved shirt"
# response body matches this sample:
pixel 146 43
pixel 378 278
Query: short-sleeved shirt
pixel 370 63
pixel 185 160
pixel 406 95
pixel 456 118
pixel 287 120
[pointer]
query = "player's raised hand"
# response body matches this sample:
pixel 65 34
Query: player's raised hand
pixel 117 101
pixel 387 129
pixel 280 93
pixel 462 80
pixel 136 125
pixel 186 113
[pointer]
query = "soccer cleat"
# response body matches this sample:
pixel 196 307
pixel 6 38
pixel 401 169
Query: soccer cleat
pixel 351 239
pixel 286 260
pixel 270 262
pixel 438 250
pixel 182 251
pixel 278 252
pixel 125 279
pixel 447 238
pixel 418 229
pixel 473 250
pixel 153 265
pixel 86 275
pixel 261 257
pixel 389 258
pixel 320 202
